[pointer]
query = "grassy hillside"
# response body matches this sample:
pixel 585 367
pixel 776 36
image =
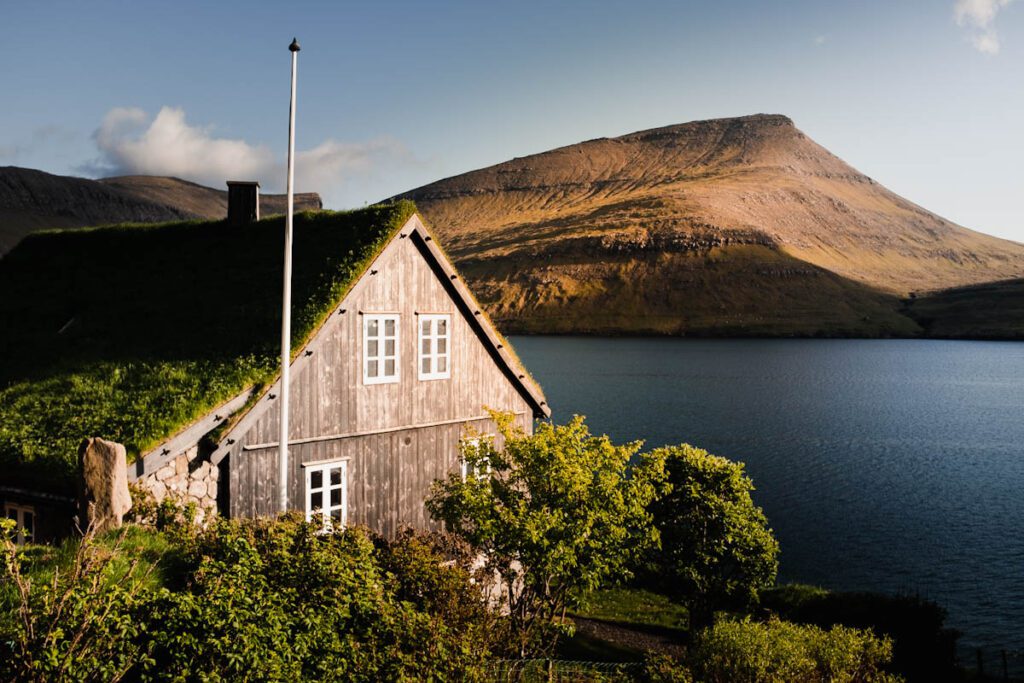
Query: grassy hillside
pixel 735 290
pixel 990 311
pixel 729 226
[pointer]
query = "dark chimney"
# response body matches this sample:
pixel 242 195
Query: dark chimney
pixel 243 202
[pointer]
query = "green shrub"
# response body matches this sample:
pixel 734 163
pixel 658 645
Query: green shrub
pixel 660 668
pixel 717 550
pixel 923 648
pixel 782 652
pixel 74 621
pixel 268 600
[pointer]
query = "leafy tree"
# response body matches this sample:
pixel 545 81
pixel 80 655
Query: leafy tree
pixel 555 515
pixel 717 550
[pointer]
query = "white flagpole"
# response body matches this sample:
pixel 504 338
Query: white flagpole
pixel 286 305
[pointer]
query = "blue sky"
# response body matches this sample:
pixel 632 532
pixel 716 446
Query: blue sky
pixel 926 97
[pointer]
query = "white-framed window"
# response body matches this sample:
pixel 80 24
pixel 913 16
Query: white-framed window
pixel 25 517
pixel 434 354
pixel 380 348
pixel 327 494
pixel 479 470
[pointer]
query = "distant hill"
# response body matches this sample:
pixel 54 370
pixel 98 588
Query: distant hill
pixel 994 310
pixel 32 200
pixel 741 226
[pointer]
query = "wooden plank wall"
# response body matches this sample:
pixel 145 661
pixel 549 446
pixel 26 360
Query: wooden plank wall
pixel 389 474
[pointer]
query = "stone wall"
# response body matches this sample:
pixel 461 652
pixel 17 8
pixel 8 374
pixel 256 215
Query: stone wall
pixel 186 479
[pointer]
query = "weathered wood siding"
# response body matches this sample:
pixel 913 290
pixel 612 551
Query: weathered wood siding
pixel 389 473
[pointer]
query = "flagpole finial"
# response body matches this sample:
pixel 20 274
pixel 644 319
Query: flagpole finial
pixel 294 47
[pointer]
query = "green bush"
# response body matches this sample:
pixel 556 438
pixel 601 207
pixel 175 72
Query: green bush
pixel 660 668
pixel 717 550
pixel 250 600
pixel 923 648
pixel 782 652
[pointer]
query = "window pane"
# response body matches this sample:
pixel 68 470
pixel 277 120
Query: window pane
pixel 442 364
pixel 425 326
pixel 316 479
pixel 425 366
pixel 335 497
pixel 389 368
pixel 389 347
pixel 372 329
pixel 12 514
pixel 389 327
pixel 29 524
pixel 371 369
pixel 442 345
pixel 335 476
pixel 371 348
pixel 336 515
pixel 316 500
pixel 426 346
pixel 442 327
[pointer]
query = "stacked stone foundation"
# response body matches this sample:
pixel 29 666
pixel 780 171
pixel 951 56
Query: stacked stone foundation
pixel 186 479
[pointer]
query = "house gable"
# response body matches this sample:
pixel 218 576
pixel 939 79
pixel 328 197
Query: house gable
pixel 334 411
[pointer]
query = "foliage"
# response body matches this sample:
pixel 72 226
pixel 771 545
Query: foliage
pixel 923 648
pixel 555 514
pixel 781 652
pixel 717 550
pixel 130 332
pixel 74 626
pixel 660 668
pixel 254 600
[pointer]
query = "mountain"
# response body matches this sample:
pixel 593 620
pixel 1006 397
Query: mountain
pixel 32 200
pixel 740 226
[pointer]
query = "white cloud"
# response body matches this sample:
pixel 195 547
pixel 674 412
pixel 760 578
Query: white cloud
pixel 979 17
pixel 820 40
pixel 130 143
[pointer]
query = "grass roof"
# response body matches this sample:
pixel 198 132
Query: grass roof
pixel 132 332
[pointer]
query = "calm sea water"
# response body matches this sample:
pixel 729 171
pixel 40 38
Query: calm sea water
pixel 895 466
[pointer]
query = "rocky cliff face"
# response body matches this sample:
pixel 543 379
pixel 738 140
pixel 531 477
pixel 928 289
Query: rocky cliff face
pixel 722 226
pixel 31 200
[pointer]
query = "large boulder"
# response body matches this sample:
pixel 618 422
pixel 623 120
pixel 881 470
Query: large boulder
pixel 104 497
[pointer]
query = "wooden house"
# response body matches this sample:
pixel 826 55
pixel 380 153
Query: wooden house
pixel 162 338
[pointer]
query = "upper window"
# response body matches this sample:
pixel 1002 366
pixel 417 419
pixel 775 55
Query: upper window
pixel 380 349
pixel 25 518
pixel 327 494
pixel 433 346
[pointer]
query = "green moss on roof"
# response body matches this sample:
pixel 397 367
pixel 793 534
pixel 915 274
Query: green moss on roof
pixel 132 332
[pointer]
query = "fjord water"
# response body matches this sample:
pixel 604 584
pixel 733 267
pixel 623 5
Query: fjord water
pixel 884 465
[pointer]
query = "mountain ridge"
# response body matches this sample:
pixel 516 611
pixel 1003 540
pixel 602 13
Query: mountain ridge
pixel 552 240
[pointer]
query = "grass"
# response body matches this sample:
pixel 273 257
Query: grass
pixel 629 621
pixel 132 332
pixel 137 554
pixel 634 606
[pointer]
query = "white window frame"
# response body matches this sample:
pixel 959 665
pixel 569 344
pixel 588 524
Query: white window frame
pixel 432 357
pixel 19 512
pixel 325 488
pixel 464 466
pixel 381 319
